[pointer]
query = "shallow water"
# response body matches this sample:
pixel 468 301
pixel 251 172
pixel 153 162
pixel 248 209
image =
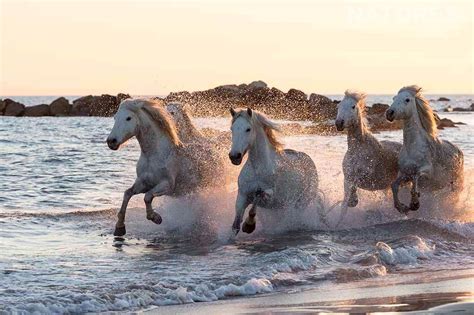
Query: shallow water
pixel 60 187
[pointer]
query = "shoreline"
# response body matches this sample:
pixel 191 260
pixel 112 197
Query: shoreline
pixel 432 291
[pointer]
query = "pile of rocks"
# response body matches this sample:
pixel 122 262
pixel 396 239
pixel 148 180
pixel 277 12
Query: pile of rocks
pixel 103 105
pixel 293 104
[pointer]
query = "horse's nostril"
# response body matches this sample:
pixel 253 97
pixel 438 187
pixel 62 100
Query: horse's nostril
pixel 235 156
pixel 113 140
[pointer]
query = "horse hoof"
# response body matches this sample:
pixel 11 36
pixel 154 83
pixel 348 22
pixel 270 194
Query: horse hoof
pixel 248 228
pixel 120 231
pixel 156 218
pixel 403 209
pixel 414 206
pixel 352 203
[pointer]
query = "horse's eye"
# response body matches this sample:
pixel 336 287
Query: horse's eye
pixel 407 100
pixel 248 130
pixel 353 107
pixel 128 118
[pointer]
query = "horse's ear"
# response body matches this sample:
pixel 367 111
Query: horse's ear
pixel 249 111
pixel 232 112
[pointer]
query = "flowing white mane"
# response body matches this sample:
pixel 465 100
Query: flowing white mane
pixel 158 115
pixel 425 112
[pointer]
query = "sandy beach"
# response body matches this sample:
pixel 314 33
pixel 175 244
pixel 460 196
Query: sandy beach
pixel 443 292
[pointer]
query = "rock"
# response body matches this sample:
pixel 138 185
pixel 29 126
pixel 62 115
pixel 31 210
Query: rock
pixel 378 122
pixel 60 107
pixel 459 109
pixel 448 109
pixel 377 108
pixel 445 123
pixel 104 105
pixel 3 105
pixel 37 110
pixel 296 95
pixel 182 97
pixel 256 85
pixel 13 108
pixel 322 108
pixel 122 96
pixel 443 99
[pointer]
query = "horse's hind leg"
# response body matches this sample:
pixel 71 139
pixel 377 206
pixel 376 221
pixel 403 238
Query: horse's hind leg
pixel 161 189
pixel 250 223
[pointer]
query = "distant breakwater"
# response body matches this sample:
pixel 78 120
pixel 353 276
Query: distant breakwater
pixel 292 105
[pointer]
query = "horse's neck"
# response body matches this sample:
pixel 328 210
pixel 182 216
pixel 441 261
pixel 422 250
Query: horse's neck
pixel 415 138
pixel 151 139
pixel 357 133
pixel 262 154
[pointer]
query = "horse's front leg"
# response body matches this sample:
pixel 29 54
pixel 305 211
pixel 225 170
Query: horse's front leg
pixel 415 194
pixel 137 188
pixel 396 201
pixel 163 188
pixel 241 204
pixel 350 194
pixel 250 223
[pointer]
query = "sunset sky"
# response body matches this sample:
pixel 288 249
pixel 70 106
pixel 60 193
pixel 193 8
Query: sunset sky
pixel 154 47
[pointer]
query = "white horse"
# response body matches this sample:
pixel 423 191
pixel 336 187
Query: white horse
pixel 166 166
pixel 425 161
pixel 186 130
pixel 368 163
pixel 272 177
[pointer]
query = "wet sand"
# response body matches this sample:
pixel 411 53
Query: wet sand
pixel 425 293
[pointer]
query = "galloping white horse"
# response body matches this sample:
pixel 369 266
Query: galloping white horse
pixel 186 130
pixel 368 163
pixel 425 160
pixel 166 166
pixel 272 177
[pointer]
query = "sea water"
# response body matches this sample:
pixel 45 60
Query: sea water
pixel 60 188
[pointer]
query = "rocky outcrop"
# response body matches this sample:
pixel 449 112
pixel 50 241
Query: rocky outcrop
pixel 37 110
pixel 60 107
pixel 291 105
pixel 459 109
pixel 13 108
pixel 443 99
pixel 104 105
pixel 3 105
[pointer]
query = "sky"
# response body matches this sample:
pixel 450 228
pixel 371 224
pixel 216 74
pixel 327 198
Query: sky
pixel 142 47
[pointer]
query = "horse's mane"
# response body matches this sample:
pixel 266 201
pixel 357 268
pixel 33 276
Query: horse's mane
pixel 360 98
pixel 158 115
pixel 425 112
pixel 271 129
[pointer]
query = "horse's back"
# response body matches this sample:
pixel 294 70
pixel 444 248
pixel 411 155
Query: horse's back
pixel 200 166
pixel 297 177
pixel 450 160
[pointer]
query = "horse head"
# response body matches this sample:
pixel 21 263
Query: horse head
pixel 350 109
pixel 126 122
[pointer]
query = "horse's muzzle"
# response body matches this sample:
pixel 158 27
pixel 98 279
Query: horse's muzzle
pixel 113 144
pixel 235 158
pixel 390 115
pixel 340 124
